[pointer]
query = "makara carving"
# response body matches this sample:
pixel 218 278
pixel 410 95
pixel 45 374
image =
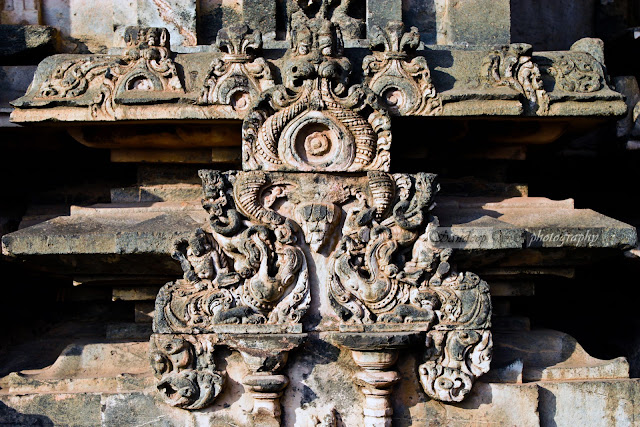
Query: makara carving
pixel 399 76
pixel 315 121
pixel 315 207
pixel 185 369
pixel 239 76
pixel 513 67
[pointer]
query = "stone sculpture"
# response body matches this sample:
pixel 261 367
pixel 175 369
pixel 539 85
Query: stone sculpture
pixel 315 187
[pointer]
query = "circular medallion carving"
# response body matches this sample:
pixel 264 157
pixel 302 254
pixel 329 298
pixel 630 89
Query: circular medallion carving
pixel 315 141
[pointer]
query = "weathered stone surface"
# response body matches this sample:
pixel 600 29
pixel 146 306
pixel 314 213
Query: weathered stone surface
pixel 475 22
pixel 594 403
pixel 21 12
pixel 562 359
pixel 178 16
pixel 19 42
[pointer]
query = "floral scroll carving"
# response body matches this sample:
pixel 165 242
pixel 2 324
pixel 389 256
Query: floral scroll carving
pixel 512 67
pixel 239 76
pixel 400 77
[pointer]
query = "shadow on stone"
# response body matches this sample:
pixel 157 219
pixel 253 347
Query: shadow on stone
pixel 9 416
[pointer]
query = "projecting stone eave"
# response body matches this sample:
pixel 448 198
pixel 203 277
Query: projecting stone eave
pixel 471 82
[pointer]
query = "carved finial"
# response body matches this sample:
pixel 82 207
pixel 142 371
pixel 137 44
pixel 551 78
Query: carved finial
pixel 239 39
pixel 399 76
pixel 238 77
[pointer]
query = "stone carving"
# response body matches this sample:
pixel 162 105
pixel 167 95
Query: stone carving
pixel 397 75
pixel 239 76
pixel 338 11
pixel 459 348
pixel 513 67
pixel 185 369
pixel 315 203
pixel 71 78
pixel 577 72
pixel 145 66
pixel 244 272
pixel 314 121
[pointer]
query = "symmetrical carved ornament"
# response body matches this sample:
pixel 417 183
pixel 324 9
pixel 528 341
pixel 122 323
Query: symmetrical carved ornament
pixel 512 67
pixel 315 121
pixel 396 74
pixel 239 76
pixel 247 280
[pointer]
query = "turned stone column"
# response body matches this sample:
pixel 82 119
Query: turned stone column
pixel 376 381
pixel 266 357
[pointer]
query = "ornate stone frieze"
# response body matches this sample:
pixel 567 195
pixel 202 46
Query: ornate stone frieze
pixel 395 73
pixel 315 121
pixel 581 69
pixel 239 76
pixel 512 67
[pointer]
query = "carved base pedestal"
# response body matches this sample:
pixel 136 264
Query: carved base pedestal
pixel 266 390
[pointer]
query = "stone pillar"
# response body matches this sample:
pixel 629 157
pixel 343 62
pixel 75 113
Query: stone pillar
pixel 376 382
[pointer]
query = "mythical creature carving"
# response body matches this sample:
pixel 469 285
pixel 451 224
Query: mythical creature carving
pixel 314 121
pixel 239 76
pixel 513 67
pixel 400 77
pixel 243 271
pixel 146 65
pixel 185 370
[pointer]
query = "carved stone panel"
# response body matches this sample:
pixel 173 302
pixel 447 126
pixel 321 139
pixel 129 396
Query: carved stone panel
pixel 315 234
pixel 315 121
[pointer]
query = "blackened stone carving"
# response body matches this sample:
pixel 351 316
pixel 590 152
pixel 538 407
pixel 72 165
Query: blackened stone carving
pixel 581 69
pixel 511 66
pixel 185 370
pixel 314 121
pixel 397 75
pixel 239 76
